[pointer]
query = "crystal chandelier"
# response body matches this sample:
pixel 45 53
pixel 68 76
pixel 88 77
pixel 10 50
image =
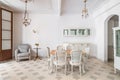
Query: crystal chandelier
pixel 84 10
pixel 26 19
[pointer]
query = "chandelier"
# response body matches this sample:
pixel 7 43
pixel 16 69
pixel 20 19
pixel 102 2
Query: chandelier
pixel 26 19
pixel 84 10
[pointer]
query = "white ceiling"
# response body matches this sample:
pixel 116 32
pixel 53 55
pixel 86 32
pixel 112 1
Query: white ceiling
pixel 54 6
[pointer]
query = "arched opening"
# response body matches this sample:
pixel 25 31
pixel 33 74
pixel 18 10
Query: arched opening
pixel 111 22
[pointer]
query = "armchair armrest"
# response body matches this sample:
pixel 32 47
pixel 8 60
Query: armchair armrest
pixel 16 52
pixel 29 51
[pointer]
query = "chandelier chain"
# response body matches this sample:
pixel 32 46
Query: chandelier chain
pixel 26 19
pixel 85 10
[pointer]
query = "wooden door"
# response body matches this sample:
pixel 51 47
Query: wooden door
pixel 6 34
pixel 0 34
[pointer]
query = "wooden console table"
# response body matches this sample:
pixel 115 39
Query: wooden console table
pixel 37 57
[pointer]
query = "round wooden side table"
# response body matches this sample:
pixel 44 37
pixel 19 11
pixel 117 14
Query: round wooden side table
pixel 37 57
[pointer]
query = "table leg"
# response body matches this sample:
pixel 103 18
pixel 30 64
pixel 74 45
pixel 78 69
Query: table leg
pixel 37 57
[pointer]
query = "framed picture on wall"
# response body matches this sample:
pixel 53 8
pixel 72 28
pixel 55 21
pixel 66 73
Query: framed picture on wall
pixel 65 32
pixel 76 32
pixel 73 32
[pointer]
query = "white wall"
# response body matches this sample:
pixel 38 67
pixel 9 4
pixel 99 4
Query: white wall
pixel 101 16
pixel 17 30
pixel 50 28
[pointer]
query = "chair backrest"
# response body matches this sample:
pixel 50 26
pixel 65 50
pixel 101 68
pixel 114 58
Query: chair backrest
pixel 23 48
pixel 48 52
pixel 60 49
pixel 60 55
pixel 76 56
pixel 65 45
pixel 74 47
pixel 87 50
pixel 69 47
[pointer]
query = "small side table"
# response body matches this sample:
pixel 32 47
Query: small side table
pixel 37 53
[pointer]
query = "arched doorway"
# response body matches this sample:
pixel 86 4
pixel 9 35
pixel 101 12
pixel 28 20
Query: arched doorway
pixel 111 22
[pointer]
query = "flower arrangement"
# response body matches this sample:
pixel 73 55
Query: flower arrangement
pixel 37 44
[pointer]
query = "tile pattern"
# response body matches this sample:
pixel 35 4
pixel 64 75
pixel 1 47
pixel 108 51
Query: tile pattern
pixel 38 70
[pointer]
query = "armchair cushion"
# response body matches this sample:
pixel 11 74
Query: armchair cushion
pixel 23 55
pixel 23 48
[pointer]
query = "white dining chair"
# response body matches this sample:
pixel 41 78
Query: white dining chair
pixel 60 59
pixel 86 56
pixel 87 51
pixel 76 60
pixel 48 57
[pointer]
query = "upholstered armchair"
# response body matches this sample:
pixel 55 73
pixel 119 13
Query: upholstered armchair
pixel 23 52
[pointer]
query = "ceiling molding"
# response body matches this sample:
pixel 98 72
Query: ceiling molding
pixel 57 7
pixel 107 9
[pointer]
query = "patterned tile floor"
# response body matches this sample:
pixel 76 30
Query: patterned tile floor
pixel 37 70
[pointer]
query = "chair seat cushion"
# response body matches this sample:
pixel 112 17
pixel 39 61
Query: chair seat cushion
pixel 75 63
pixel 59 62
pixel 23 54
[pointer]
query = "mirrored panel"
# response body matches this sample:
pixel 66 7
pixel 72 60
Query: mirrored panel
pixel 73 32
pixel 118 43
pixel 6 35
pixel 76 32
pixel 65 32
pixel 6 44
pixel 6 15
pixel 6 25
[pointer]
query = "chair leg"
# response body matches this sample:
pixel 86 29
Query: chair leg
pixel 115 70
pixel 48 64
pixel 17 59
pixel 72 69
pixel 65 69
pixel 80 70
pixel 56 69
pixel 29 59
pixel 83 68
pixel 53 67
pixel 86 66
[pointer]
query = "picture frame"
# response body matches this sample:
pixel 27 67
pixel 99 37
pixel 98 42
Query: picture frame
pixel 73 32
pixel 76 32
pixel 65 32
